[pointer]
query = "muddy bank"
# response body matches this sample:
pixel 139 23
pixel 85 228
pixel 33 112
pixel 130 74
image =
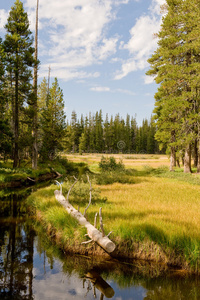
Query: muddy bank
pixel 29 181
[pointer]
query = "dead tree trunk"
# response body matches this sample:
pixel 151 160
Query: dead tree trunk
pixel 93 233
pixel 35 105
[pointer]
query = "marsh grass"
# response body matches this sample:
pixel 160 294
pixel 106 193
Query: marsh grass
pixel 160 207
pixel 54 216
pixel 158 210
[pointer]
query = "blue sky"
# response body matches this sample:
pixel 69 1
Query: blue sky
pixel 98 50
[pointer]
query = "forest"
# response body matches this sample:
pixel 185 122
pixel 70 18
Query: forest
pixel 33 124
pixel 32 118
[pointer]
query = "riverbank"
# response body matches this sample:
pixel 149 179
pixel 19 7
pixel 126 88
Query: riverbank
pixel 155 219
pixel 25 175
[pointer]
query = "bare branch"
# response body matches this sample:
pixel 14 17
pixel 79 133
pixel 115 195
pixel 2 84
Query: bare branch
pixel 29 178
pixel 71 188
pixel 87 242
pixel 109 234
pixel 90 196
pixel 60 185
pixel 95 220
pixel 101 222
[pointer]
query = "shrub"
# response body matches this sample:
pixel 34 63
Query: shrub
pixel 112 177
pixel 80 193
pixel 110 164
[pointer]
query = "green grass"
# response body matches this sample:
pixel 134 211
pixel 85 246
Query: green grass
pixel 150 206
pixel 53 214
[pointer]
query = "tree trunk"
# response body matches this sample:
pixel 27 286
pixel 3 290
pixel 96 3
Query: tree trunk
pixel 178 162
pixel 172 159
pixel 195 154
pixel 35 106
pixel 198 164
pixel 187 160
pixel 16 123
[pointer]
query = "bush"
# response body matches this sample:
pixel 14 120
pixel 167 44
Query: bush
pixel 112 177
pixel 80 193
pixel 109 164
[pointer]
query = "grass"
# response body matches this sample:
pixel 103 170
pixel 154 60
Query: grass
pixel 52 215
pixel 160 207
pixel 61 165
pixel 156 210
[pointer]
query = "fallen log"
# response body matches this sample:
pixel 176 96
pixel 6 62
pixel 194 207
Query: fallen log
pixel 93 233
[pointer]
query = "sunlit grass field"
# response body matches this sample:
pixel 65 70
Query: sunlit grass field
pixel 162 209
pixel 129 160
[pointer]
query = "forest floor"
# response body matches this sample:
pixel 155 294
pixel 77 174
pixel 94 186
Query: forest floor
pixel 153 213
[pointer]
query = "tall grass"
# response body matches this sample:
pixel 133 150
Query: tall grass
pixel 155 209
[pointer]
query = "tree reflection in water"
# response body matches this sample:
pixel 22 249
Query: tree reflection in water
pixel 16 250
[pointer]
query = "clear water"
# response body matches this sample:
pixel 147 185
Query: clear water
pixel 31 268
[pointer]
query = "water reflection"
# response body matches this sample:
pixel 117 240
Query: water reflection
pixel 16 249
pixel 31 268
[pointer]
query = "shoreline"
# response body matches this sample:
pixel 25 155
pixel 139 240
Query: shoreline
pixel 144 252
pixel 29 181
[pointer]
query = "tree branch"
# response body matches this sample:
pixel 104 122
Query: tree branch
pixel 90 200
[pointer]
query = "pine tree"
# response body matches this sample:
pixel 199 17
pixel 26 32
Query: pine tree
pixel 53 123
pixel 176 66
pixel 19 61
pixel 35 102
pixel 5 130
pixel 98 132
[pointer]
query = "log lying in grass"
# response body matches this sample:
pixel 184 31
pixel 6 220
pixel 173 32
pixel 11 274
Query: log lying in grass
pixel 93 233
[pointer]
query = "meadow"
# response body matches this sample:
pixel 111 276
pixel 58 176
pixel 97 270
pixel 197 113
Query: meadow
pixel 153 216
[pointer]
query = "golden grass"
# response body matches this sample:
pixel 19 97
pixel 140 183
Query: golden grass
pixel 154 209
pixel 159 210
pixel 129 160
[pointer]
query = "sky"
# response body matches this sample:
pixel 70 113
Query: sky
pixel 98 50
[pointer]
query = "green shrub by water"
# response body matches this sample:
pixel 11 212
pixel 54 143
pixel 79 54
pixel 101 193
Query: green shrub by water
pixel 80 193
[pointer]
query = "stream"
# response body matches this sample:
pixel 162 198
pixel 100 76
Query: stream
pixel 32 268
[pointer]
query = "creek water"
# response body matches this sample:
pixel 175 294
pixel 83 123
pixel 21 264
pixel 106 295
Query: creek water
pixel 32 268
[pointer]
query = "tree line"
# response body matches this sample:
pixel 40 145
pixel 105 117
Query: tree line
pixel 32 118
pixel 93 134
pixel 176 68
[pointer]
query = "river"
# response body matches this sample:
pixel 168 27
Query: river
pixel 32 268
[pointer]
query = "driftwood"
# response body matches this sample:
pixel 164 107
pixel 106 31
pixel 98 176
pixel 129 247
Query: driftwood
pixel 99 283
pixel 94 234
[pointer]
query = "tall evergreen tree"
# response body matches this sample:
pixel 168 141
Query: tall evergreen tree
pixel 5 130
pixel 19 61
pixel 176 66
pixel 53 123
pixel 35 102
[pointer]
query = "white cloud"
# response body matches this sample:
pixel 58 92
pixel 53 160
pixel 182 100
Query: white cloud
pixel 3 18
pixel 74 33
pixel 148 79
pixel 108 89
pixel 142 42
pixel 100 89
pixel 66 73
